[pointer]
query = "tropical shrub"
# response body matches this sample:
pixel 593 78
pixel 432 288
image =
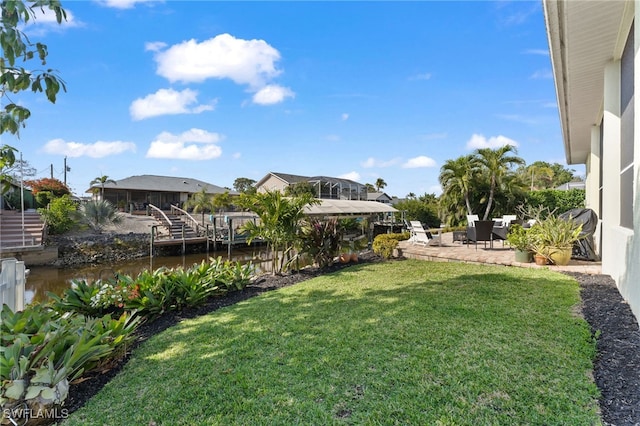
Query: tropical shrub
pixel 385 244
pixel 42 351
pixel 321 240
pixel 58 215
pixel 556 200
pixel 98 214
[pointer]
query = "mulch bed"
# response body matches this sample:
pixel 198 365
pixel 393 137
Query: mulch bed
pixel 616 367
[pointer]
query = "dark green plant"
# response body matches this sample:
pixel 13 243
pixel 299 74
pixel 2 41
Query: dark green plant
pixel 321 239
pixel 557 200
pixel 519 238
pixel 43 351
pixel 278 225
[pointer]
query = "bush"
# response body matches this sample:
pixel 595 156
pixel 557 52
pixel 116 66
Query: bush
pixel 385 244
pixel 556 200
pixel 59 215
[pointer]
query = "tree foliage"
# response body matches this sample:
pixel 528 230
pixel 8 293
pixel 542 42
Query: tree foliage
pixel 17 46
pixel 301 189
pixel 102 180
pixel 243 184
pixel 423 209
pixel 52 185
pixel 544 175
pixel 59 214
pixel 555 200
pixel 484 180
pixel 200 202
pixel 278 225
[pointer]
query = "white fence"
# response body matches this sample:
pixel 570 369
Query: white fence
pixel 12 280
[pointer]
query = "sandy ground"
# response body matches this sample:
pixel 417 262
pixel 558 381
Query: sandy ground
pixel 138 224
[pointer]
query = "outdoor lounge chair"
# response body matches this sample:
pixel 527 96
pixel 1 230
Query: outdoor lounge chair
pixel 420 236
pixel 471 219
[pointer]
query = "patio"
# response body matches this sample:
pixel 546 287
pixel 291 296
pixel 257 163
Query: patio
pixel 456 251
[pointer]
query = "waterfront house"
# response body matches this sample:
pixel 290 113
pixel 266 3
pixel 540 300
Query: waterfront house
pixel 136 192
pixel 325 187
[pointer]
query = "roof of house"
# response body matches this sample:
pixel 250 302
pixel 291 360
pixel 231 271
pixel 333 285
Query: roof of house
pixel 348 207
pixel 291 179
pixel 373 196
pixel 583 38
pixel 163 184
pixel 285 177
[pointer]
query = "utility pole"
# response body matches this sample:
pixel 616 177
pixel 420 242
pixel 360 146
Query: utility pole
pixel 66 169
pixel 52 171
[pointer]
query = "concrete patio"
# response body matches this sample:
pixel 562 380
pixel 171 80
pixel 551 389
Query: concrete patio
pixel 450 251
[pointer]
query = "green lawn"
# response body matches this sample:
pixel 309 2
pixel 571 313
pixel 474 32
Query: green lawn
pixel 406 343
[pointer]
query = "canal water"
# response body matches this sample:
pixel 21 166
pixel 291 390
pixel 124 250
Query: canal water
pixel 43 279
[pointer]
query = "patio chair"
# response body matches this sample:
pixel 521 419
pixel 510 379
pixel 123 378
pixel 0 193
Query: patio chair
pixel 481 231
pixel 471 219
pixel 420 236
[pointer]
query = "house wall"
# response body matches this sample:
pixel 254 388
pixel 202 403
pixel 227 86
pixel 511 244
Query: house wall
pixel 272 184
pixel 620 245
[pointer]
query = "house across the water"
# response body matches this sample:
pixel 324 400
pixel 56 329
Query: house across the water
pixel 136 192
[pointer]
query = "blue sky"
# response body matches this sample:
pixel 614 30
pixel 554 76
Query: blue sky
pixel 221 90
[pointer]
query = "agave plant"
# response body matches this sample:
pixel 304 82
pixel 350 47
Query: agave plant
pixel 98 214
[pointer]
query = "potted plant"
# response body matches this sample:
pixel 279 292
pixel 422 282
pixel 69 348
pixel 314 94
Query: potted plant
pixel 519 239
pixel 553 238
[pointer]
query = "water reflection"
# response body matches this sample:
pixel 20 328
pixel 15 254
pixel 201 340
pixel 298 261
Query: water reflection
pixel 43 279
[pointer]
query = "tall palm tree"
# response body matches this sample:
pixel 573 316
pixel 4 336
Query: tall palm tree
pixel 456 177
pixel 380 184
pixel 102 180
pixel 200 202
pixel 497 163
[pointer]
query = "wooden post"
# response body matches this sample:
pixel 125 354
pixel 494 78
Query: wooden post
pixel 153 231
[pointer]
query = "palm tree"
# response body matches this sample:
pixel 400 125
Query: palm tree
pixel 200 202
pixel 456 178
pixel 380 184
pixel 279 223
pixel 497 163
pixel 102 180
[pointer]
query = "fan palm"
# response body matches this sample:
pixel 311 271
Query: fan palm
pixel 200 202
pixel 98 214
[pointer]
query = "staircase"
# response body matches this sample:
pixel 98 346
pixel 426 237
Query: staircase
pixel 176 225
pixel 11 233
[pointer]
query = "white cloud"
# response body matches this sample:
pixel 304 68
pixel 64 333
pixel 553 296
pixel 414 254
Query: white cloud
pixel 154 46
pixel 272 94
pixel 194 144
pixel 165 102
pixel 344 116
pixel 94 150
pixel 543 52
pixel 251 62
pixel 122 4
pixel 372 162
pixel 542 75
pixel 479 141
pixel 354 176
pixel 423 76
pixel 418 162
pixel 45 20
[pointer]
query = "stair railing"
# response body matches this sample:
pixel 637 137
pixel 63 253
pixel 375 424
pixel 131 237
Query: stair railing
pixel 188 219
pixel 161 216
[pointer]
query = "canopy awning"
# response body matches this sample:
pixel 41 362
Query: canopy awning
pixel 348 207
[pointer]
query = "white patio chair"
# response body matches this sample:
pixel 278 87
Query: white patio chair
pixel 471 219
pixel 420 236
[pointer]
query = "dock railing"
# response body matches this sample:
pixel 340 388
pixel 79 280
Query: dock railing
pixel 161 216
